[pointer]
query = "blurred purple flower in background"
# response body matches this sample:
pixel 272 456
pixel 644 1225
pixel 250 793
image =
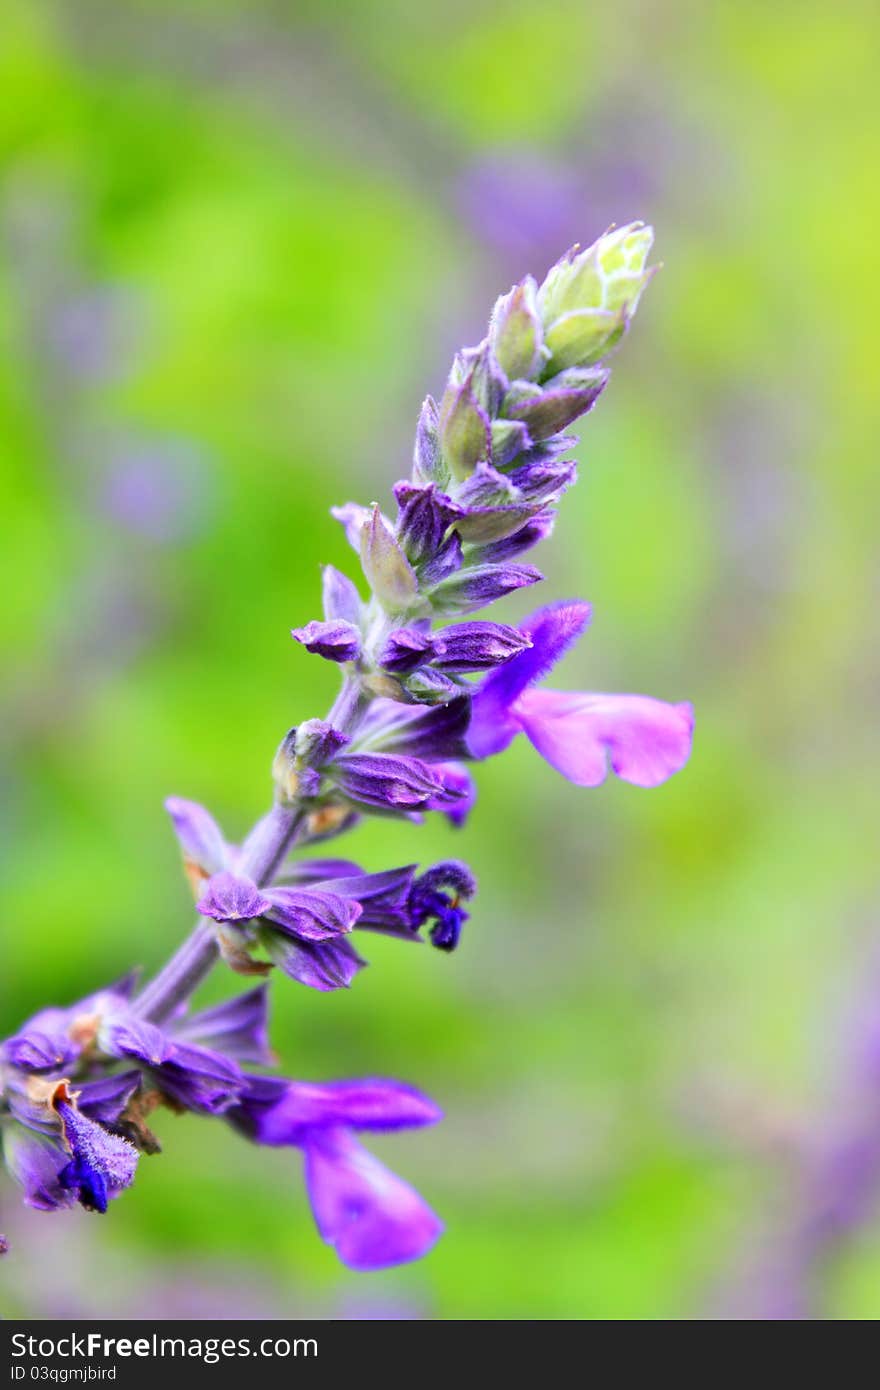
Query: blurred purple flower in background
pixel 159 490
pixel 520 201
pixel 93 333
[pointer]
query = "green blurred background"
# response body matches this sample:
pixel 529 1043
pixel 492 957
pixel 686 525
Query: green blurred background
pixel 240 243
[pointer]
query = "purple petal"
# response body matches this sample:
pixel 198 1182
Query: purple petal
pixel 36 1049
pixel 102 1164
pixel 383 898
pixel 426 453
pixel 369 1215
pixel 479 585
pixel 486 487
pixel 238 1028
pixel 322 965
pixel 404 650
pixel 645 740
pixel 198 1078
pixel 309 914
pixel 278 1112
pixel 445 561
pixel 232 898
pixel 199 835
pixel 535 531
pixel 548 411
pixel 433 734
pixel 336 640
pixel 135 1037
pixel 105 1100
pixel 310 871
pixel 477 646
pixel 459 794
pixel 35 1161
pixel 552 631
pixel 543 484
pixel 340 597
pixel 352 518
pixel 385 782
pixel 425 517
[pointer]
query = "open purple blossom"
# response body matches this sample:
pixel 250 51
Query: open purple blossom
pixel 644 740
pixel 371 1217
pixel 427 688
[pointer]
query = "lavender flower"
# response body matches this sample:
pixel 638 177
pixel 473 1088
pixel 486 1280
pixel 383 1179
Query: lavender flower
pixel 426 690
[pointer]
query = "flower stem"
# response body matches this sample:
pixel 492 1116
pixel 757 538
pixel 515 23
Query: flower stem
pixel 262 854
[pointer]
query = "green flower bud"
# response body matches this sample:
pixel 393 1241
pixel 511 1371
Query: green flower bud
pixel 388 572
pixel 589 297
pixel 465 432
pixel 516 332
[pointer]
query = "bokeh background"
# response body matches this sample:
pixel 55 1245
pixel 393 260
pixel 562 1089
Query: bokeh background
pixel 240 243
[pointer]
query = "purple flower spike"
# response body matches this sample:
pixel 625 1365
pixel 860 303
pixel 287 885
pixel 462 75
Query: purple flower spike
pixel 371 1217
pixel 337 640
pixel 102 1164
pixel 645 740
pixel 491 463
